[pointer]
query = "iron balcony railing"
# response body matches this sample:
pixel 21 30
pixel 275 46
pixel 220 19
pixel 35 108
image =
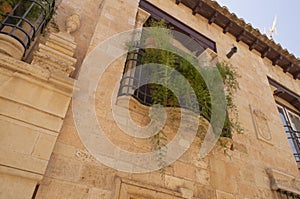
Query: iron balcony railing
pixel 26 20
pixel 134 78
pixel 133 84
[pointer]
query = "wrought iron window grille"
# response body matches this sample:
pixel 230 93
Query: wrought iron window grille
pixel 26 20
pixel 282 194
pixel 134 78
pixel 294 136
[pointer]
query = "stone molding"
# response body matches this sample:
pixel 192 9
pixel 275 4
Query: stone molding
pixel 260 121
pixel 128 188
pixel 56 55
pixel 283 181
pixel 11 47
pixel 141 17
pixel 37 74
pixel 20 173
pixel 73 23
pixel 34 101
pixel 208 57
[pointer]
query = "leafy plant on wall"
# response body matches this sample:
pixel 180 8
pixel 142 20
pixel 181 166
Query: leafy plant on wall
pixel 161 37
pixel 6 7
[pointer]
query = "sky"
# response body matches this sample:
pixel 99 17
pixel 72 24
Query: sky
pixel 261 13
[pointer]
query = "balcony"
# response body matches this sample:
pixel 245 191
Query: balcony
pixel 21 23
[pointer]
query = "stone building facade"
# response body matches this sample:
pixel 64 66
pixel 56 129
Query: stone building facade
pixel 44 156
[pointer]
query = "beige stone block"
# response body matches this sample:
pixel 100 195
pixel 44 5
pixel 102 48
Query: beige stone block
pixel 175 182
pixel 97 176
pixel 30 115
pixel 198 162
pixel 64 149
pixel 203 176
pixel 184 170
pixel 69 135
pixel 204 192
pixel 11 66
pixel 62 42
pixel 222 182
pixel 22 161
pixel 17 138
pixel 35 94
pixel 240 147
pixel 248 190
pixel 224 195
pixel 248 173
pixel 261 178
pixel 56 62
pixel 186 193
pixel 16 187
pixel 44 146
pixel 156 178
pixel 95 193
pixel 63 168
pixel 52 188
pixel 141 177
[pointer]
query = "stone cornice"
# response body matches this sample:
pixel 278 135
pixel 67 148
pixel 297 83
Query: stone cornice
pixel 245 32
pixel 283 181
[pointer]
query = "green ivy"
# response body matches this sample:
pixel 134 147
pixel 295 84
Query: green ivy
pixel 184 64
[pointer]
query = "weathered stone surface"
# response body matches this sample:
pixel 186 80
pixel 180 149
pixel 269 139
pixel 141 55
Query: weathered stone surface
pixel 95 193
pixel 97 176
pixel 11 47
pixel 284 181
pixel 224 195
pixel 16 187
pixel 64 169
pixel 61 190
pixel 38 96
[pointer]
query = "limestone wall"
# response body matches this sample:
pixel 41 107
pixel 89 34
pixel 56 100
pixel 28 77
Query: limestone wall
pixel 239 173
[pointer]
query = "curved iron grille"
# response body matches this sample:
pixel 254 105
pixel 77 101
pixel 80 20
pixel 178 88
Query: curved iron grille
pixel 26 20
pixel 134 78
pixel 130 84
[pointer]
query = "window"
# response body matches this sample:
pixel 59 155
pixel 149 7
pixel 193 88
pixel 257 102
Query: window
pixel 288 104
pixel 194 42
pixel 26 20
pixel 192 50
pixel 291 124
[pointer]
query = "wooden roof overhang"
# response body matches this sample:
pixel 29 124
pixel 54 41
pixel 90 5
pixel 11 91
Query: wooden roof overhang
pixel 230 23
pixel 285 94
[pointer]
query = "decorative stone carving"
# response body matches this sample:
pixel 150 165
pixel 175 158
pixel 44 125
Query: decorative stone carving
pixel 260 121
pixel 84 156
pixel 131 189
pixel 141 17
pixel 73 23
pixel 208 58
pixel 283 181
pixel 56 55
